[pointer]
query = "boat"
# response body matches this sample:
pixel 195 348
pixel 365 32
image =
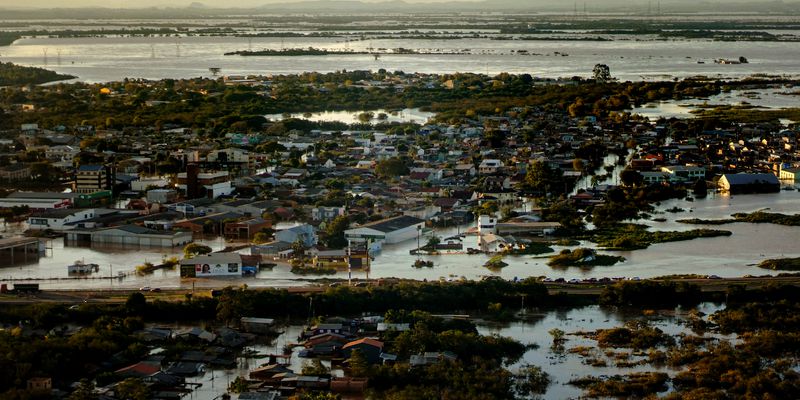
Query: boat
pixel 81 267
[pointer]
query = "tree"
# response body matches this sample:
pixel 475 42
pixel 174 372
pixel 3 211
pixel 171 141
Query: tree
pixel 557 334
pixel 334 232
pixel 531 380
pixel 194 249
pixel 132 389
pixel 359 367
pixel 84 391
pixel 630 177
pixel 315 368
pixel 433 241
pixel 136 303
pixel 602 73
pixel 262 237
pixel 391 168
pixel 298 248
pixel 541 178
pixel 577 164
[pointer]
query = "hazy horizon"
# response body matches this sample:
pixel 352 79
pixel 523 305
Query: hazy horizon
pixel 50 4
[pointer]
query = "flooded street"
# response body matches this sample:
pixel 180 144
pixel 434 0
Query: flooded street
pixel 732 256
pixel 532 329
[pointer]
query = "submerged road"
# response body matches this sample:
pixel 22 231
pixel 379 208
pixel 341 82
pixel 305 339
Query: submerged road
pixel 117 296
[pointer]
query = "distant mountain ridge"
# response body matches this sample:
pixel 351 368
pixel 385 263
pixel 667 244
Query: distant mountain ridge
pixel 355 7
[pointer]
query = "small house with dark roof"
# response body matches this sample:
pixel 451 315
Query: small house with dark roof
pixel 370 348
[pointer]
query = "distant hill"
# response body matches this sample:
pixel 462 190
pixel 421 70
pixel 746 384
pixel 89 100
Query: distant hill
pixel 355 7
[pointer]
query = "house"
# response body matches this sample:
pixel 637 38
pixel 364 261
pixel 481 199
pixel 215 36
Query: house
pixel 390 230
pixel 304 233
pixel 40 384
pixel 348 385
pixel 204 184
pixel 129 235
pixel 257 325
pixel 275 250
pixel 487 224
pixel 684 173
pixel 162 196
pixel 651 177
pixel 325 344
pixel 212 265
pixel 489 166
pixel 247 229
pixel 790 174
pixel 430 358
pixel 371 349
pixel 15 172
pixel 39 200
pixel 326 213
pixel 140 370
pixel 423 212
pixel 749 183
pixel 326 328
pixel 60 219
pixel 336 259
pixel 61 153
pixel 143 184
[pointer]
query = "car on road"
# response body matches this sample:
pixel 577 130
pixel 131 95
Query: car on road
pixel 155 290
pixel 144 289
pixel 574 280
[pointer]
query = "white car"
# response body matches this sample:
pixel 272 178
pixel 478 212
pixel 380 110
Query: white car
pixel 574 280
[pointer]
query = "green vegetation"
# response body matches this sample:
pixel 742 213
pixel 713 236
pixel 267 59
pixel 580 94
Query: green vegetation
pixel 634 385
pixel 422 263
pixel 195 249
pixel 650 294
pixel 582 257
pixel 757 217
pixel 496 262
pixel 633 236
pixel 781 264
pixel 311 51
pixel 747 115
pixel 12 75
pixel 636 335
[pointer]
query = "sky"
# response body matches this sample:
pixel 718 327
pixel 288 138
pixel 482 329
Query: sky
pixel 116 4
pixel 160 3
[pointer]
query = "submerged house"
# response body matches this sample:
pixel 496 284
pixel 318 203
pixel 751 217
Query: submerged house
pixel 749 183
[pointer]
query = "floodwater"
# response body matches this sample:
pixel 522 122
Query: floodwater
pixel 412 115
pixel 732 256
pixel 765 98
pixel 105 59
pixel 563 367
pixel 532 329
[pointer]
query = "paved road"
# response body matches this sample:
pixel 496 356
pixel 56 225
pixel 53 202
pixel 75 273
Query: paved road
pixel 115 296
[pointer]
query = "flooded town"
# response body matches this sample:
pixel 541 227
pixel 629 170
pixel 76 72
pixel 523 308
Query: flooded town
pixel 253 224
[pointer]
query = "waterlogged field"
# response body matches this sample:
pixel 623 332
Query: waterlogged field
pixel 103 59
